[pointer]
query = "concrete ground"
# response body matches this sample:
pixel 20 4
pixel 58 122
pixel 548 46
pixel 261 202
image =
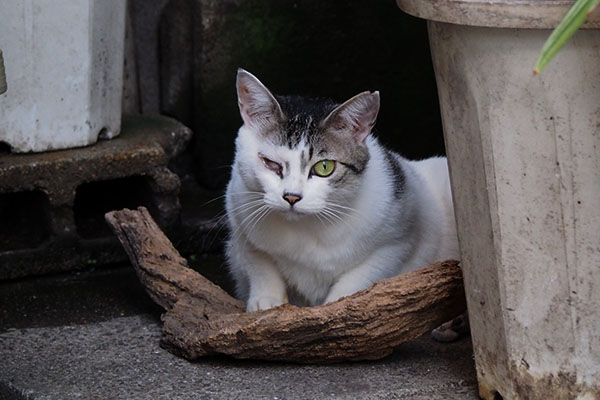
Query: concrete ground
pixel 95 335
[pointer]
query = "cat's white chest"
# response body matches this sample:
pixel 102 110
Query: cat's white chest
pixel 309 258
pixel 306 247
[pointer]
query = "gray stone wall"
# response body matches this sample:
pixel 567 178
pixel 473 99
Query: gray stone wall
pixel 188 52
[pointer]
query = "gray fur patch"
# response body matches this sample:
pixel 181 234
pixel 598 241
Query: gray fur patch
pixel 341 179
pixel 397 173
pixel 303 161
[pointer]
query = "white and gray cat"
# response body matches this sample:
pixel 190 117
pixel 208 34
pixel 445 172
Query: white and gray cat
pixel 318 209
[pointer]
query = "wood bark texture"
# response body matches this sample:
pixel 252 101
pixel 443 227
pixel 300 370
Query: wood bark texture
pixel 201 319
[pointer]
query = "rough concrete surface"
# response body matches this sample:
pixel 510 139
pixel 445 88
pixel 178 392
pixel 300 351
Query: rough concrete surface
pixel 120 358
pixel 61 346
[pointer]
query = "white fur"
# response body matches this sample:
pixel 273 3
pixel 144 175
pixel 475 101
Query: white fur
pixel 378 235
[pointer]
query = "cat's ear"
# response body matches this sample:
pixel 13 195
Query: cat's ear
pixel 258 106
pixel 356 116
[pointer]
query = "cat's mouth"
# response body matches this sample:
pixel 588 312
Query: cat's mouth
pixel 294 213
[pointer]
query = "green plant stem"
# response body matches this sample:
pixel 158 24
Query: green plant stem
pixel 2 75
pixel 574 18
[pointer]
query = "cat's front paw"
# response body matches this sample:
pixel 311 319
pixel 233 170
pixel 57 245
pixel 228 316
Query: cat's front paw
pixel 338 291
pixel 263 303
pixel 453 329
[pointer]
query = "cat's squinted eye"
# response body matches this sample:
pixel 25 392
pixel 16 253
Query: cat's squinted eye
pixel 272 165
pixel 323 168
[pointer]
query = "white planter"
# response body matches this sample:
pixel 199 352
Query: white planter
pixel 64 72
pixel 524 156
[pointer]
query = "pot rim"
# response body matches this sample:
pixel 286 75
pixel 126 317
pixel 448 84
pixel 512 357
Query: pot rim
pixel 527 14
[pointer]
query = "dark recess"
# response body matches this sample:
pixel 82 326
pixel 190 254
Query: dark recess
pixel 24 220
pixel 5 148
pixel 95 199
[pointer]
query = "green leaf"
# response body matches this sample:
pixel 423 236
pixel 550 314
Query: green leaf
pixel 574 18
pixel 2 75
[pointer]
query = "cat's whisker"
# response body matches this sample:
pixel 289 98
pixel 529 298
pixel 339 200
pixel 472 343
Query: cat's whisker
pixel 339 212
pixel 318 216
pixel 219 224
pixel 213 200
pixel 351 210
pixel 335 220
pixel 351 214
pixel 240 208
pixel 327 218
pixel 246 204
pixel 340 206
pixel 249 227
pixel 218 219
pixel 253 209
pixel 249 193
pixel 338 218
pixel 221 167
pixel 219 228
pixel 247 220
pixel 263 214
pixel 332 213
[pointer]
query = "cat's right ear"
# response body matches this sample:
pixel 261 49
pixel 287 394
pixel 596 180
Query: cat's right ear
pixel 258 106
pixel 356 116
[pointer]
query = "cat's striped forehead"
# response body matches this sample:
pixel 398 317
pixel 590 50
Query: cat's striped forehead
pixel 301 131
pixel 302 119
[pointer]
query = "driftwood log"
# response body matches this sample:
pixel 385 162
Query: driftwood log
pixel 202 319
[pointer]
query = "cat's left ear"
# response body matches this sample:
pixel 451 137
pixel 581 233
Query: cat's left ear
pixel 258 107
pixel 356 116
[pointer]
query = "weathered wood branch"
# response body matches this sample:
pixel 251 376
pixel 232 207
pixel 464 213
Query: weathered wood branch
pixel 202 319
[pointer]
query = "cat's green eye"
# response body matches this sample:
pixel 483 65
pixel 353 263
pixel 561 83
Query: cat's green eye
pixel 323 168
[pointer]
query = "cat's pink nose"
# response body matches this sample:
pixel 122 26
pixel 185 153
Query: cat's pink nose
pixel 292 198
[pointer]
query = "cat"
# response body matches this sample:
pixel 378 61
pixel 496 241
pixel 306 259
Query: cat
pixel 318 209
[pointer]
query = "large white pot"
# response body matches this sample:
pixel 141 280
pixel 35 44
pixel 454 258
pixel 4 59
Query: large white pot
pixel 64 72
pixel 524 156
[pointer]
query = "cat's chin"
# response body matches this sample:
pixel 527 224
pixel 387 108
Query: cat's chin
pixel 293 215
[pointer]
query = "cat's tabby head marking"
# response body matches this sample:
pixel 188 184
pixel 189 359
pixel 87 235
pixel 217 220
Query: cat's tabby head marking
pixel 305 155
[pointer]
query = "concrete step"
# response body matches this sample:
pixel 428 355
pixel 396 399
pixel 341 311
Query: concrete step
pixel 95 335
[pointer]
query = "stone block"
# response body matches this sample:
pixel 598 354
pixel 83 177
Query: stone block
pixel 54 202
